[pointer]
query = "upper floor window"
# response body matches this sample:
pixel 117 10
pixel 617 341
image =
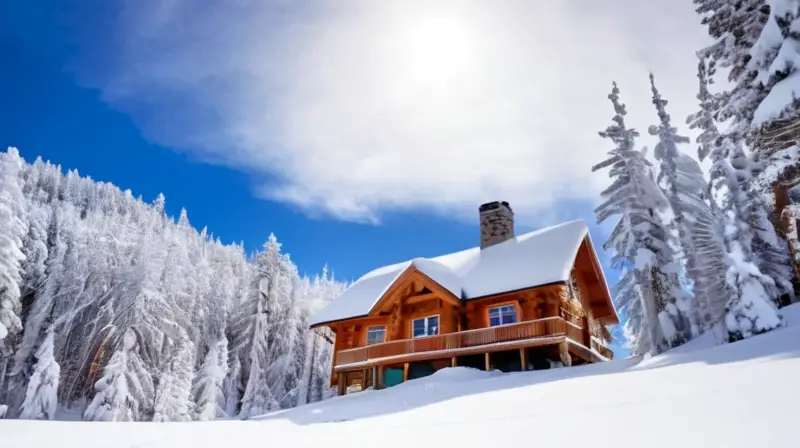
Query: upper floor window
pixel 502 315
pixel 376 335
pixel 426 326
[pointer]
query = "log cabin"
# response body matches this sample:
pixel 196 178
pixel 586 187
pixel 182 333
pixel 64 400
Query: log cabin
pixel 513 303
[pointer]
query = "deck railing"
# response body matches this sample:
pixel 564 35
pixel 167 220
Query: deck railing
pixel 541 328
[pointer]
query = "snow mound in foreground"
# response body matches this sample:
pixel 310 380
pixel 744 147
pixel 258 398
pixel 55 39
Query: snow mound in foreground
pixel 736 395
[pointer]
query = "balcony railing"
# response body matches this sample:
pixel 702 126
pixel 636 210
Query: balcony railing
pixel 541 328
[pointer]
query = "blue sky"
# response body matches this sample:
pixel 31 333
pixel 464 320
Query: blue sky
pixel 360 136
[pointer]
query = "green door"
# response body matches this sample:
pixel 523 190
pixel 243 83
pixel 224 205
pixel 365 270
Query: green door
pixel 392 376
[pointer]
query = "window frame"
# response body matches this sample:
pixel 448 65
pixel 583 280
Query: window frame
pixel 371 327
pixel 500 306
pixel 425 319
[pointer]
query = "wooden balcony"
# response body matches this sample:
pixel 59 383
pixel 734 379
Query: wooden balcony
pixel 550 330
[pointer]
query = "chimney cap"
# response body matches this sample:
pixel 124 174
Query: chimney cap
pixel 494 205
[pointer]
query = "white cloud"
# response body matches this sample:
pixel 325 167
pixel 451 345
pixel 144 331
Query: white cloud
pixel 355 108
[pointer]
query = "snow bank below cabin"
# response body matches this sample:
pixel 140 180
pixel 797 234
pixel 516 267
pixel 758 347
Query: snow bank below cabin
pixel 698 395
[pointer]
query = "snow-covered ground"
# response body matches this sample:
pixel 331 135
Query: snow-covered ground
pixel 699 395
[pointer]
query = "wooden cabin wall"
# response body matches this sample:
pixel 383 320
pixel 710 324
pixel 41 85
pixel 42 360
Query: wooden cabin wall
pixel 448 316
pixel 532 304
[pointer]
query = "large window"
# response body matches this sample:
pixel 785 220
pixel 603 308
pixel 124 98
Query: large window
pixel 427 326
pixel 502 315
pixel 376 335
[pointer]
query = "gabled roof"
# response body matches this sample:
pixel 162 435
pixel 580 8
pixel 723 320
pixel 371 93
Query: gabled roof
pixel 533 259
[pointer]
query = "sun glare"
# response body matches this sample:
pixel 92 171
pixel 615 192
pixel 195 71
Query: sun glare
pixel 440 48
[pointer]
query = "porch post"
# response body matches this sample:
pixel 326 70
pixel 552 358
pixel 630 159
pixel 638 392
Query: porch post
pixel 488 362
pixel 453 362
pixel 405 372
pixel 379 383
pixel 340 385
pixel 523 358
pixel 364 378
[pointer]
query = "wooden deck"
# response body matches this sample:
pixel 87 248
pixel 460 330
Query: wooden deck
pixel 548 331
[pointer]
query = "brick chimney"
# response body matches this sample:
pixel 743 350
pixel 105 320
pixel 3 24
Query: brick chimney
pixel 497 223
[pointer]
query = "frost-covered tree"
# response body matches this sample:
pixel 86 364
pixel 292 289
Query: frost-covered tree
pixel 257 323
pixel 12 231
pixel 708 230
pixel 173 398
pixel 684 191
pixel 736 28
pixel 41 398
pixel 749 309
pixel 232 387
pixel 209 395
pixel 774 62
pixel 126 389
pixel 639 239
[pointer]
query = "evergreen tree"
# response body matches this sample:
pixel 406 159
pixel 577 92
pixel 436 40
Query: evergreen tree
pixel 41 399
pixel 749 309
pixel 681 190
pixel 126 389
pixel 758 42
pixel 12 230
pixel 173 398
pixel 639 239
pixel 232 387
pixel 209 394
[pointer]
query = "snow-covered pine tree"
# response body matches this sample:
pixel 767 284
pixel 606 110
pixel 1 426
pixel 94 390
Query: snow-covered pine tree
pixel 208 391
pixel 684 196
pixel 639 239
pixel 13 229
pixel 284 303
pixel 708 229
pixel 173 396
pixel 232 386
pixel 774 63
pixel 41 398
pixel 757 41
pixel 735 27
pixel 255 326
pixel 126 390
pixel 295 378
pixel 749 309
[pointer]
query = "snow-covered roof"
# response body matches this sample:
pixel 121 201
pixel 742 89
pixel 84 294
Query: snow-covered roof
pixel 533 259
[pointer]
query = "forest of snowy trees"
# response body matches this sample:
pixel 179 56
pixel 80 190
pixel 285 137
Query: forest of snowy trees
pixel 111 309
pixel 698 251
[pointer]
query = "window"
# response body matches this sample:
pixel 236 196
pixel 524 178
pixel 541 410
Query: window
pixel 376 335
pixel 427 326
pixel 502 315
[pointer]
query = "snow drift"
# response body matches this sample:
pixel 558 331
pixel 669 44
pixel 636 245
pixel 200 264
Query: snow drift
pixel 736 395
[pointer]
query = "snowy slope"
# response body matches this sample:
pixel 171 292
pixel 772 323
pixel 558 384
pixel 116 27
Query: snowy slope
pixel 700 395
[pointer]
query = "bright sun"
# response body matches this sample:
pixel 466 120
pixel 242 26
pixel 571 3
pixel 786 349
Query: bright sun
pixel 440 48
